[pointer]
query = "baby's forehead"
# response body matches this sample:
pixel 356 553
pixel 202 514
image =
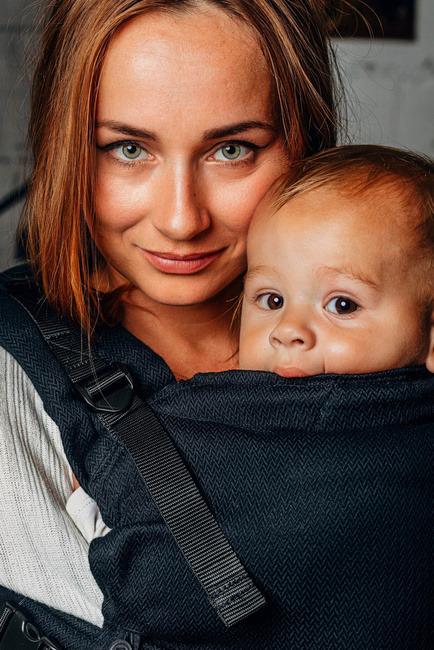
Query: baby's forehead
pixel 371 209
pixel 376 231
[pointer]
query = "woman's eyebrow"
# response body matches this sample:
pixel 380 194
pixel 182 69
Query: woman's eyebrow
pixel 234 129
pixel 211 134
pixel 126 129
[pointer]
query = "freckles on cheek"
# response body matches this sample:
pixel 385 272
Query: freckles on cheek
pixel 236 205
pixel 115 209
pixel 103 198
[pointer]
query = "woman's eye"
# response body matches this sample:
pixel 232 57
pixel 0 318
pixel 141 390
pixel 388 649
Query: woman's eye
pixel 231 152
pixel 341 306
pixel 270 301
pixel 131 152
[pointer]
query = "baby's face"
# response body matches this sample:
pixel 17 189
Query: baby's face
pixel 331 287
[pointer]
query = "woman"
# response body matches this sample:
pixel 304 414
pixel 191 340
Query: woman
pixel 156 129
pixel 183 176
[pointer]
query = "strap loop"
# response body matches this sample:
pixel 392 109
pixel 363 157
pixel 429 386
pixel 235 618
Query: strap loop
pixel 111 391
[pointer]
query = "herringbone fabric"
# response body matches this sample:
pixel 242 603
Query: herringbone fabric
pixel 70 632
pixel 324 487
pixel 334 523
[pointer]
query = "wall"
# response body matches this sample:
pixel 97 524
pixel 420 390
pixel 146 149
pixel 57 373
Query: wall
pixel 15 23
pixel 390 86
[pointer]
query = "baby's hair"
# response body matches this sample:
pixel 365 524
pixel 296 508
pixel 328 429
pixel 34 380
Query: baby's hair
pixel 356 169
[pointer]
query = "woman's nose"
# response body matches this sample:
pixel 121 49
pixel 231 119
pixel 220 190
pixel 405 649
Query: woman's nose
pixel 293 331
pixel 178 211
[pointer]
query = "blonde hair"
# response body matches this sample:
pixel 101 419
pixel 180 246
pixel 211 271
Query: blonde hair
pixel 293 35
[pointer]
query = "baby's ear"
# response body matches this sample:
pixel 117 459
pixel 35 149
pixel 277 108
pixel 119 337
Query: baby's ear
pixel 429 361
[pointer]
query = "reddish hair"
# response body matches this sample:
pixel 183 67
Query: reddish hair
pixel 294 38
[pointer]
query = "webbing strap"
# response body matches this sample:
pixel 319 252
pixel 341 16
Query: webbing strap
pixel 108 390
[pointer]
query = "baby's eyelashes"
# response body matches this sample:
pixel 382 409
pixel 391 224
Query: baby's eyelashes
pixel 341 306
pixel 270 301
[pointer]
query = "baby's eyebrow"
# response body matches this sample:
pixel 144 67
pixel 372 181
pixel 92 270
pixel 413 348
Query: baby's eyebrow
pixel 258 270
pixel 353 274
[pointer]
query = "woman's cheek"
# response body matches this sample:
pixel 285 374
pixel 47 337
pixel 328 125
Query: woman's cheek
pixel 117 207
pixel 237 199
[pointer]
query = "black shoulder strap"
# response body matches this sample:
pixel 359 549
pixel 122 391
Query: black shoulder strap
pixel 108 390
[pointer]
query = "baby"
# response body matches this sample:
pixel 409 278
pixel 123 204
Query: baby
pixel 340 266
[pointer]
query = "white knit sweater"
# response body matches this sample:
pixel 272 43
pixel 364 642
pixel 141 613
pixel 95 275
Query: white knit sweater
pixel 45 528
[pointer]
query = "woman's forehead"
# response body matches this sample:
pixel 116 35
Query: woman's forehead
pixel 200 61
pixel 200 28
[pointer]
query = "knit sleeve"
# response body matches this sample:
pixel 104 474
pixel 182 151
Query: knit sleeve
pixel 85 513
pixel 43 555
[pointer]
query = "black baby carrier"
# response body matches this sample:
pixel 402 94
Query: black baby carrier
pixel 322 486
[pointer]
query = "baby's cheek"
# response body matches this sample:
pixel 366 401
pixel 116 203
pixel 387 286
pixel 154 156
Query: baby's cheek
pixel 347 356
pixel 247 352
pixel 253 350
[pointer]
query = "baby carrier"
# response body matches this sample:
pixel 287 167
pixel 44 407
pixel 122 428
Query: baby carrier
pixel 323 487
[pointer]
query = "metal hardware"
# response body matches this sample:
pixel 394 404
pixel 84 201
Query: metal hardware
pixel 17 632
pixel 111 391
pixel 120 645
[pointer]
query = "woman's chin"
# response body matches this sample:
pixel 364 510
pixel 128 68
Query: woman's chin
pixel 174 294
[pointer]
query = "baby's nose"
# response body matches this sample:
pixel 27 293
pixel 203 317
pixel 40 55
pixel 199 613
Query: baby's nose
pixel 293 332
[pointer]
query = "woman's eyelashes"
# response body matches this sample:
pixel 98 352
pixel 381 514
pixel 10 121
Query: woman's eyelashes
pixel 126 152
pixel 342 306
pixel 229 154
pixel 235 152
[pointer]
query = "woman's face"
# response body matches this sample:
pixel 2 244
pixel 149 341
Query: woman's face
pixel 188 144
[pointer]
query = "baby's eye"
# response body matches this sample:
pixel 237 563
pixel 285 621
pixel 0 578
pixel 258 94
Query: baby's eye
pixel 341 306
pixel 231 152
pixel 270 301
pixel 130 152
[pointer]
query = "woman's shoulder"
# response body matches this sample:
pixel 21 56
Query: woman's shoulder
pixel 36 382
pixel 17 330
pixel 21 337
pixel 9 307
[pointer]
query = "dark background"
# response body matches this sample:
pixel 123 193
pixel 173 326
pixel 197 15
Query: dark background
pixel 380 18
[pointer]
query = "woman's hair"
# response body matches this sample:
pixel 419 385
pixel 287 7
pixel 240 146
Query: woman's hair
pixel 293 35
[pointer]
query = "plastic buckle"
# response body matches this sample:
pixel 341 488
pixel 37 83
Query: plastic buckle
pixel 17 632
pixel 111 391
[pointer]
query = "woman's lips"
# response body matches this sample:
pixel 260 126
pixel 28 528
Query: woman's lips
pixel 181 264
pixel 292 371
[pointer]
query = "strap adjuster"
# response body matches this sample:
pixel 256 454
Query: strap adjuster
pixel 109 391
pixel 18 631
